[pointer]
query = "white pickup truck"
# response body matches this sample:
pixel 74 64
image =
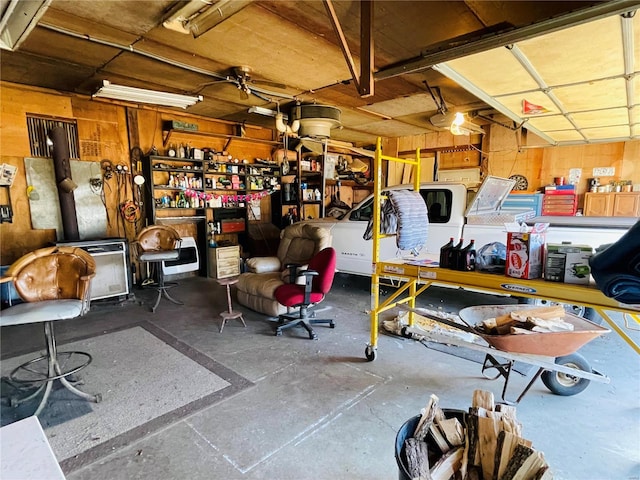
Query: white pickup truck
pixel 447 204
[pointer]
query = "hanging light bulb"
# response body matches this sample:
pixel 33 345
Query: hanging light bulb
pixel 459 126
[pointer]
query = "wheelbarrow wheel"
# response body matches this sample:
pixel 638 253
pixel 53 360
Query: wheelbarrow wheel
pixel 566 384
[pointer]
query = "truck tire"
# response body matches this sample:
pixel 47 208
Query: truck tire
pixel 587 313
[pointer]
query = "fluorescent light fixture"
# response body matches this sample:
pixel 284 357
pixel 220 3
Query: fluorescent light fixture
pixel 215 14
pixel 199 16
pixel 267 112
pixel 141 95
pixel 179 16
pixel 18 19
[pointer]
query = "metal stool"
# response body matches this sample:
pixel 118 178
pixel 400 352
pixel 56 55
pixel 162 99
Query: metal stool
pixel 229 314
pixel 45 369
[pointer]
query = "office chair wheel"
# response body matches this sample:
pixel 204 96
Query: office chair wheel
pixel 332 324
pixel 278 333
pixel 313 336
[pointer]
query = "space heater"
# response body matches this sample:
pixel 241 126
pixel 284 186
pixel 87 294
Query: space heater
pixel 188 261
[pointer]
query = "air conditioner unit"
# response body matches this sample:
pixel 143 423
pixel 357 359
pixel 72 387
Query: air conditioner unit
pixel 316 120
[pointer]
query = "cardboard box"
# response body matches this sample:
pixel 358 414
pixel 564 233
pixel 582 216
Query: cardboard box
pixel 525 251
pixel 568 263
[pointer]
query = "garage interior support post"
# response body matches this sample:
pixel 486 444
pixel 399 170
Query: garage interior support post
pixel 62 169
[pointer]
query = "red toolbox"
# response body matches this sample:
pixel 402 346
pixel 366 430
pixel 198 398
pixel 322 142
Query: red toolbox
pixel 560 202
pixel 232 225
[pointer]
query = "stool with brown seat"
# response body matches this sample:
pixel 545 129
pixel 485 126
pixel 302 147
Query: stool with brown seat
pixel 54 284
pixel 157 244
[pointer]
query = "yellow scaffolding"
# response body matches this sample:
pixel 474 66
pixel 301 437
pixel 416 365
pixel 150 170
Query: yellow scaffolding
pixel 377 235
pixel 415 279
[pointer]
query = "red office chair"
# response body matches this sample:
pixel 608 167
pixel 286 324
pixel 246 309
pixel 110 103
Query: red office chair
pixel 319 277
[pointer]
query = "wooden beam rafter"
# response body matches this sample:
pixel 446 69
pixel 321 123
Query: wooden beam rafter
pixel 364 80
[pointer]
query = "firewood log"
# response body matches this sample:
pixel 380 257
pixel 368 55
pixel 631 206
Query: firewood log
pixel 487 440
pixel 499 325
pixel 448 465
pixel 426 419
pixel 507 409
pixel 473 454
pixel 555 311
pixel 548 325
pixel 506 446
pixel 509 422
pixel 439 438
pixel 531 466
pixel 417 458
pixel 520 455
pixel 452 430
pixel 543 474
pixel 483 399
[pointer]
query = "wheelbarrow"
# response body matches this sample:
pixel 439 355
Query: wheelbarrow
pixel 562 370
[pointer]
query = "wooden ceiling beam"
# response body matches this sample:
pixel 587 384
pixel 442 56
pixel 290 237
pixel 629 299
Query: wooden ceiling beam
pixel 363 81
pixel 366 49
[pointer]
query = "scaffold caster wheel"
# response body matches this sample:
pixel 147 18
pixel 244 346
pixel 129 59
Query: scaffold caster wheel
pixel 370 352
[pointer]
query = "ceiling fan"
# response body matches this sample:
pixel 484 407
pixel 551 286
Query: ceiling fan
pixel 242 78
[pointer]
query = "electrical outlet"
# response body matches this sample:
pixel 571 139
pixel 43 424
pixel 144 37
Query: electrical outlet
pixel 604 171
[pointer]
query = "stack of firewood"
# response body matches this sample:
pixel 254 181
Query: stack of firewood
pixel 530 320
pixel 490 447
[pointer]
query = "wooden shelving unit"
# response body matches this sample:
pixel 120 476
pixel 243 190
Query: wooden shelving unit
pixel 222 189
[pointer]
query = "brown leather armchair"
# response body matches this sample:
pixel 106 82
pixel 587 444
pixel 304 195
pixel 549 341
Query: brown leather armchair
pixel 299 243
pixel 54 284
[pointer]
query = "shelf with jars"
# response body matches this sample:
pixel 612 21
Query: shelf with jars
pixel 176 186
pixel 210 182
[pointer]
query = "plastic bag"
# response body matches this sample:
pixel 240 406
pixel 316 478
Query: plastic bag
pixel 492 257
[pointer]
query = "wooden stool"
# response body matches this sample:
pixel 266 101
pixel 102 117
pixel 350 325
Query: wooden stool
pixel 230 314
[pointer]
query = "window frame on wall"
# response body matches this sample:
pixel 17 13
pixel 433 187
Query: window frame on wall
pixel 40 145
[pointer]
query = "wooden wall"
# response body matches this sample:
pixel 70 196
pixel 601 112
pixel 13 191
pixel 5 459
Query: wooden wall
pixel 107 131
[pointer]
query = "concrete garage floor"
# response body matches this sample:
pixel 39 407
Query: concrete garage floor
pixel 319 410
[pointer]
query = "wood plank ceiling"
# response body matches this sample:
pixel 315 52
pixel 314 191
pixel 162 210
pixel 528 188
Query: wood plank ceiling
pixel 295 55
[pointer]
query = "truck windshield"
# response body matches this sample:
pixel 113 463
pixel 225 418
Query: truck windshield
pixel 438 205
